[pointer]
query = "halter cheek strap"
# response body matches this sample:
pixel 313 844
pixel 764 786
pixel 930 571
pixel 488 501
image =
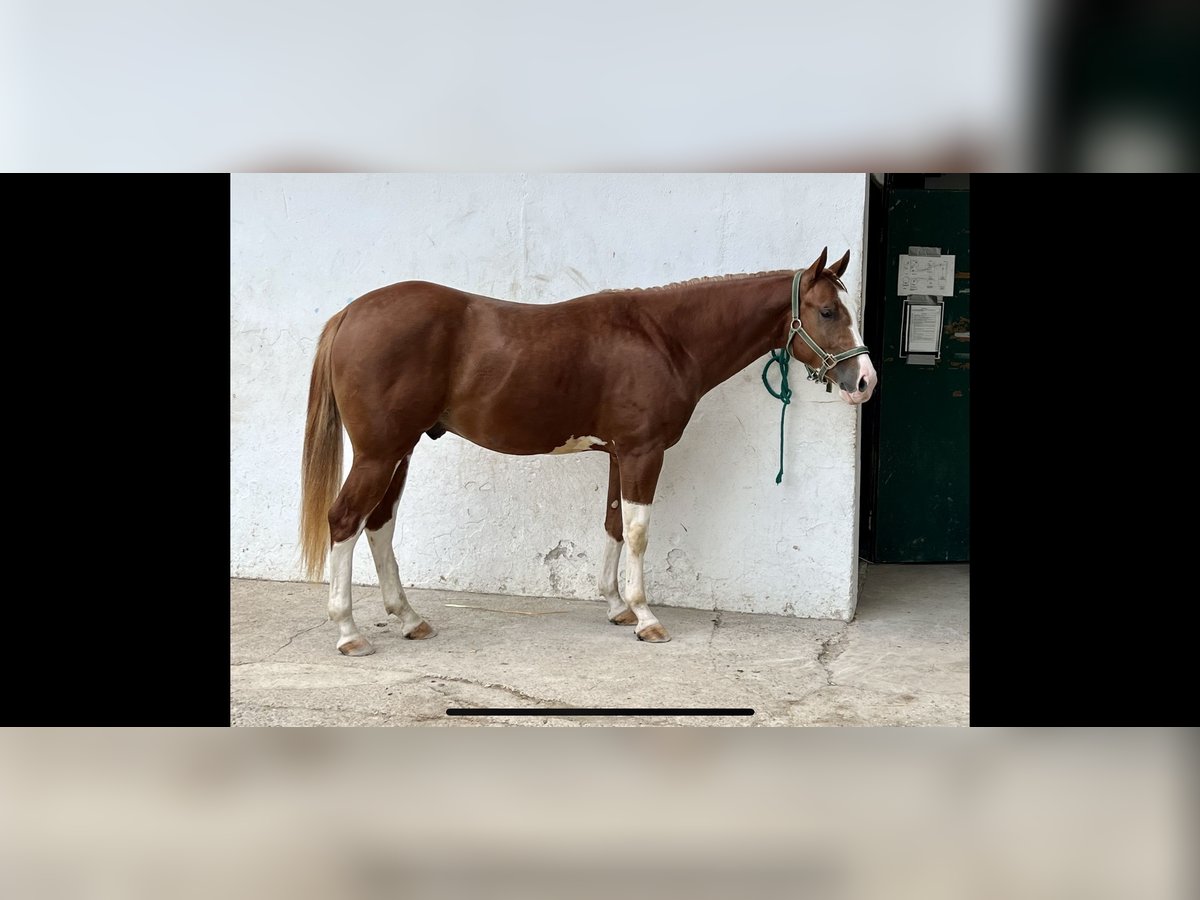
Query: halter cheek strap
pixel 828 361
pixel 782 356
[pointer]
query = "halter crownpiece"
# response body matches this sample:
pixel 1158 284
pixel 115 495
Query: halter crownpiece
pixel 783 355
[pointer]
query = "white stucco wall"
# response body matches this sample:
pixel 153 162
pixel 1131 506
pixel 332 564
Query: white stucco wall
pixel 723 535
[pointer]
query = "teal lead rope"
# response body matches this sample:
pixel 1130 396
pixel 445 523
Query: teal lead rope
pixel 785 395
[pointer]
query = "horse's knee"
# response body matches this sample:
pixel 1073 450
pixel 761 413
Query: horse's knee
pixel 636 538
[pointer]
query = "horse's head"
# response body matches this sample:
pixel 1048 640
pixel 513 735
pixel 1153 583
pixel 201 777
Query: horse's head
pixel 830 321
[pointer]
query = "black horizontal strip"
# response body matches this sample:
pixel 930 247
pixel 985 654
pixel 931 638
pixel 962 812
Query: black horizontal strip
pixel 617 711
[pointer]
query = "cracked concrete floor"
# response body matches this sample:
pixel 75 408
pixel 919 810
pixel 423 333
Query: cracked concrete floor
pixel 904 660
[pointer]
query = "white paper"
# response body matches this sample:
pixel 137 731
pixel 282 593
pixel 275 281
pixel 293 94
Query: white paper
pixel 933 275
pixel 924 328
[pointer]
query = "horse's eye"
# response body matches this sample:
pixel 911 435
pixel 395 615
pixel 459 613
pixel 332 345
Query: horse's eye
pixel 827 314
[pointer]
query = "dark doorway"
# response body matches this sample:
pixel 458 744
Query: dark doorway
pixel 916 448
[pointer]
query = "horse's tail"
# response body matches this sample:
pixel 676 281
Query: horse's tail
pixel 321 469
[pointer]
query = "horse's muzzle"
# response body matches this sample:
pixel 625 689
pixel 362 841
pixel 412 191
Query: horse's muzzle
pixel 858 382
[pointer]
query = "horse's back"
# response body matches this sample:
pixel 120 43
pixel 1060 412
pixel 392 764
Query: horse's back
pixel 400 317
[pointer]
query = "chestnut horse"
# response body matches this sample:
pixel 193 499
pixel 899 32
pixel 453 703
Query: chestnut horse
pixel 619 372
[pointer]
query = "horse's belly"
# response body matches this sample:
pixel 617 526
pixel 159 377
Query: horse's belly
pixel 520 435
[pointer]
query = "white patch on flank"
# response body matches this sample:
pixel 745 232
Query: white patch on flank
pixel 608 575
pixel 341 560
pixel 636 520
pixel 578 444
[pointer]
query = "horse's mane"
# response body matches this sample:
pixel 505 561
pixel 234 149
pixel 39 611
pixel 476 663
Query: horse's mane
pixel 707 279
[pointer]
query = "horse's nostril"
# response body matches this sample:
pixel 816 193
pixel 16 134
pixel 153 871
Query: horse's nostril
pixel 862 384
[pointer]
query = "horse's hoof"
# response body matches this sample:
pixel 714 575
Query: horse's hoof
pixel 421 632
pixel 358 646
pixel 624 618
pixel 654 634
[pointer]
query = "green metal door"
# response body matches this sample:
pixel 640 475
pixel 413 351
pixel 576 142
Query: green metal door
pixel 922 481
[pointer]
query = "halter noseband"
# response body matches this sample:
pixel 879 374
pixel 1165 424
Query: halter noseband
pixel 828 361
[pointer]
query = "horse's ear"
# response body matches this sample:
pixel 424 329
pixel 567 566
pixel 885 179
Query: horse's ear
pixel 819 266
pixel 839 267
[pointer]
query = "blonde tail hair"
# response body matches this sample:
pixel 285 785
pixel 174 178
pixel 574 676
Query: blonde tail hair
pixel 321 469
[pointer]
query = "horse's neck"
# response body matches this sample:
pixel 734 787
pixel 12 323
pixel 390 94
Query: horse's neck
pixel 725 325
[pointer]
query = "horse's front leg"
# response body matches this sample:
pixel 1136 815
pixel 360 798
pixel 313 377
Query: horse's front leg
pixel 639 478
pixel 619 612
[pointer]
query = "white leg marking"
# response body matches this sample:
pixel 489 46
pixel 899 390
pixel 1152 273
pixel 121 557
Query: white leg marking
pixel 578 444
pixel 341 560
pixel 608 575
pixel 394 599
pixel 636 519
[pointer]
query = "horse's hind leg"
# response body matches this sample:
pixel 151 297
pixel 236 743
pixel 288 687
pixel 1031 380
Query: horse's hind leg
pixel 365 486
pixel 618 612
pixel 381 525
